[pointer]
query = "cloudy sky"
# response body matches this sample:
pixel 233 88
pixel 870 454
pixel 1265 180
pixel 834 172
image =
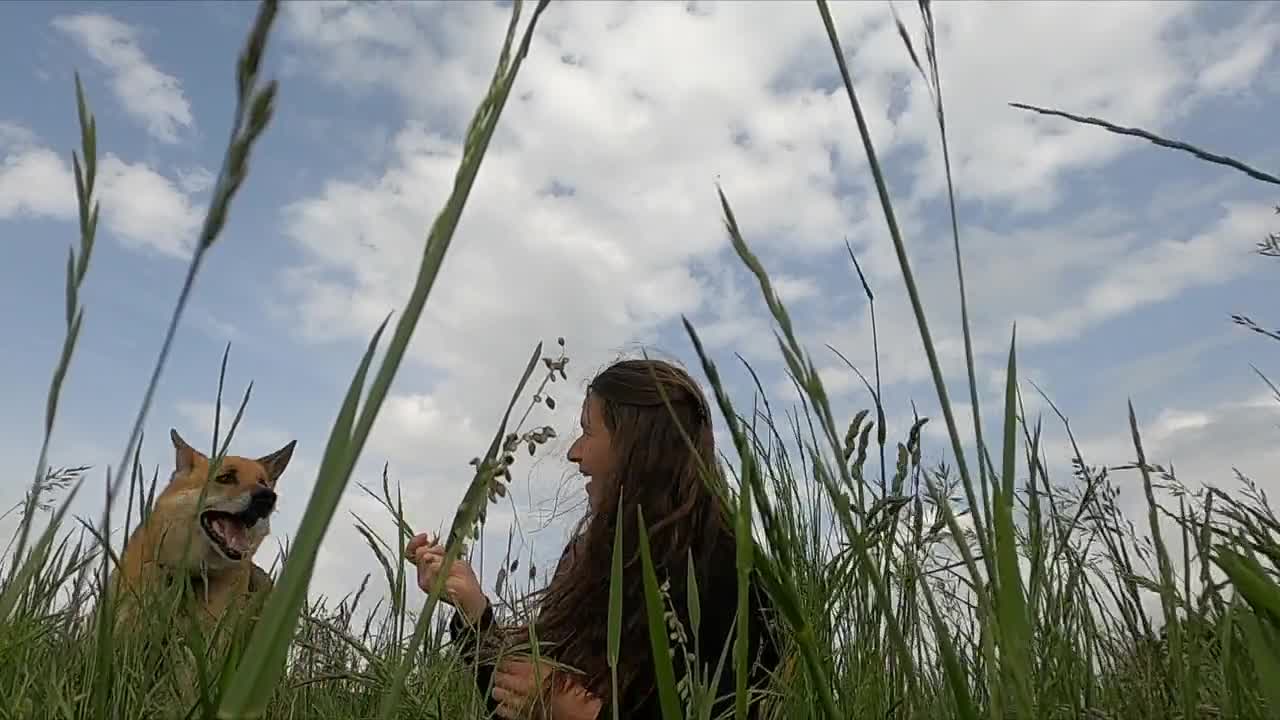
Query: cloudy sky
pixel 595 218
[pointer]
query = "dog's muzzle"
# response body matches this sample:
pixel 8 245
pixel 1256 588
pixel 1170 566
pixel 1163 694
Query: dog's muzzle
pixel 261 502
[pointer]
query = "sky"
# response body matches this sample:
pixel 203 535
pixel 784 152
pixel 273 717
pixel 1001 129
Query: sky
pixel 595 218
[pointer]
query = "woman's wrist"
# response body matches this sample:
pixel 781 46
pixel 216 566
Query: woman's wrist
pixel 473 606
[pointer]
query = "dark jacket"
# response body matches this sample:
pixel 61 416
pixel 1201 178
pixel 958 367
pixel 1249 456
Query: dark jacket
pixel 719 604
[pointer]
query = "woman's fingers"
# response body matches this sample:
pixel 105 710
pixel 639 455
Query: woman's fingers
pixel 508 697
pixel 429 551
pixel 520 676
pixel 428 556
pixel 513 702
pixel 428 563
pixel 414 543
pixel 510 712
pixel 461 585
pixel 510 683
pixel 419 541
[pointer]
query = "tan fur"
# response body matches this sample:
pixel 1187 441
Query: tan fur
pixel 172 545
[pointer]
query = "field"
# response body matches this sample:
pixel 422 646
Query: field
pixel 979 588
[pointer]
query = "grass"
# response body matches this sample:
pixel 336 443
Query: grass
pixel 920 592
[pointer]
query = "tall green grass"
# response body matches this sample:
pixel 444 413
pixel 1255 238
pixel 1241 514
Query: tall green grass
pixel 917 592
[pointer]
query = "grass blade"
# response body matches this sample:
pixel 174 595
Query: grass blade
pixel 1260 641
pixel 259 670
pixel 1015 630
pixel 783 592
pixel 1168 590
pixel 1157 140
pixel 615 617
pixel 951 667
pixel 665 674
pixel 254 108
pixel 745 561
pixel 21 571
pixel 917 306
pixel 266 653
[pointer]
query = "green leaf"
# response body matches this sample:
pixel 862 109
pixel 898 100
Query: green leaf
pixel 951 667
pixel 745 561
pixel 71 285
pixel 1261 643
pixel 1251 580
pixel 692 601
pixel 1015 629
pixel 615 616
pixel 665 674
pixel 781 587
pixel 1168 590
pixel 260 669
pixel 473 501
pixel 908 277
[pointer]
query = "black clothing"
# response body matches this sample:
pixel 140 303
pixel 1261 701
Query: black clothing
pixel 719 605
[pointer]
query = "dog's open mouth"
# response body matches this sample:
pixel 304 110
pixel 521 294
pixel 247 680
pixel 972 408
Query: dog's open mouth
pixel 228 531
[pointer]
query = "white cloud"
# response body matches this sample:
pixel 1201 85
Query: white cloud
pixel 139 206
pixel 616 253
pixel 251 438
pixel 1098 271
pixel 1203 444
pixel 33 180
pixel 15 136
pixel 1240 51
pixel 214 325
pixel 415 431
pixel 1125 61
pixel 595 215
pixel 1056 283
pixel 794 289
pixel 150 95
pixel 146 209
pixel 195 180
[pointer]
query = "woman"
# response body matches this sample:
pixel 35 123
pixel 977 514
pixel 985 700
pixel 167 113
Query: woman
pixel 634 455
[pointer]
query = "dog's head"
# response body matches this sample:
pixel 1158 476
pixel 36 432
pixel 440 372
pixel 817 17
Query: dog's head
pixel 239 498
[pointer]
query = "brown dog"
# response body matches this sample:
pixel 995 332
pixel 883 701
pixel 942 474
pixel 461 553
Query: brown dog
pixel 212 543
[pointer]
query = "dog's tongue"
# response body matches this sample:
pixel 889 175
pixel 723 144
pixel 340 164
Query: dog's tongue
pixel 233 533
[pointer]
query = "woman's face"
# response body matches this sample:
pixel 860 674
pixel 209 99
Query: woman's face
pixel 592 452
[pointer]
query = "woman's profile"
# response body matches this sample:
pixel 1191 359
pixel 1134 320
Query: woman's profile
pixel 633 454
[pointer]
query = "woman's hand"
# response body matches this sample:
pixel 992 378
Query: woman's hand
pixel 575 703
pixel 461 587
pixel 516 684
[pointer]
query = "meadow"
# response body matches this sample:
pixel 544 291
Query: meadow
pixel 976 588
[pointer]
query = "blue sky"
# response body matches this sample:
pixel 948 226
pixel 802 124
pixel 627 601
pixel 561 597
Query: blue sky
pixel 1120 262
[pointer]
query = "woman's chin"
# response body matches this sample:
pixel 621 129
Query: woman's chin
pixel 592 500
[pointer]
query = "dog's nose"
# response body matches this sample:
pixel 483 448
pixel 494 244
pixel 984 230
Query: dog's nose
pixel 262 502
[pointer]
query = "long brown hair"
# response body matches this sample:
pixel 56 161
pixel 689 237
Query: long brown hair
pixel 646 404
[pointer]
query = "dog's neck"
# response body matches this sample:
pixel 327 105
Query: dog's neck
pixel 201 577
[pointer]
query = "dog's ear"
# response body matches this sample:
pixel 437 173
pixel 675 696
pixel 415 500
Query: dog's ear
pixel 185 456
pixel 276 462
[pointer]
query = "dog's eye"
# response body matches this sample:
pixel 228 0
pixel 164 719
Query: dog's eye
pixel 227 478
